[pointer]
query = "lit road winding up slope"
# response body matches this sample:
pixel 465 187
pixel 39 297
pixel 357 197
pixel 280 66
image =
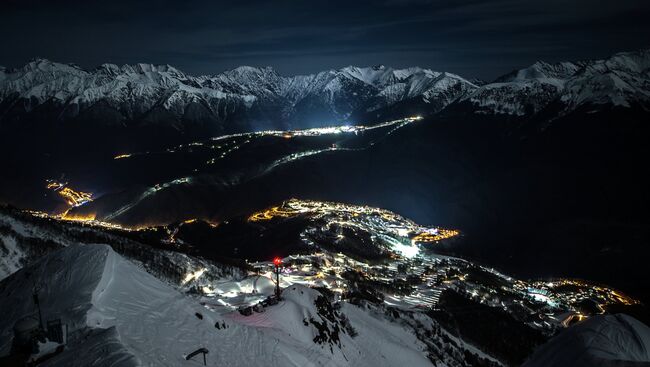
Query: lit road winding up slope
pixel 222 163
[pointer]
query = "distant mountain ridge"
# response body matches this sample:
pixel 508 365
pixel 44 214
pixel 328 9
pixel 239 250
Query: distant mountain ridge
pixel 248 98
pixel 154 93
pixel 621 80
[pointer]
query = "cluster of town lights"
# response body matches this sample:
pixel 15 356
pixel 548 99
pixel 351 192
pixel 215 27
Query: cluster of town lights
pixel 72 197
pixel 380 220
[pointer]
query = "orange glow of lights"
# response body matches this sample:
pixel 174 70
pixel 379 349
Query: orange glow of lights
pixel 54 185
pixel 440 235
pixel 71 196
pixel 271 213
pixel 79 217
pixel 75 198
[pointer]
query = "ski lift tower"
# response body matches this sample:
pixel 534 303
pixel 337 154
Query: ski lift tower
pixel 277 262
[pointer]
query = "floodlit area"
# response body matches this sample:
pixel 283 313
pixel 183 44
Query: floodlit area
pixel 322 130
pixel 375 220
pixel 73 197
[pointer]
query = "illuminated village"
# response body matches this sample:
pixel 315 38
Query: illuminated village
pixel 414 283
pixel 412 277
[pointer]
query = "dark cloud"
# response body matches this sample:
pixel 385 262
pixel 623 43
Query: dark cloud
pixel 473 38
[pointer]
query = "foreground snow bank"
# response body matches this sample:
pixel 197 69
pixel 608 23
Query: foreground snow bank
pixel 65 280
pixel 609 340
pixel 314 334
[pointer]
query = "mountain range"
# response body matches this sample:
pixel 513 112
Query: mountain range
pixel 248 98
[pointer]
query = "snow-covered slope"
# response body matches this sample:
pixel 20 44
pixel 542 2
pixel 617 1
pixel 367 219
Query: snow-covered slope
pixel 22 242
pixel 24 238
pixel 607 340
pixel 621 80
pixel 91 287
pixel 107 300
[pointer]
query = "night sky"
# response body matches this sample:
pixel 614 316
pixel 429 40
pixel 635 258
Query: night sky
pixel 484 38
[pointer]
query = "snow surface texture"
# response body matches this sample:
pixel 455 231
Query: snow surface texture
pixel 120 314
pixel 609 340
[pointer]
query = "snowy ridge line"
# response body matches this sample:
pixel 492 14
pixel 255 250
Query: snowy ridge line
pixel 105 299
pixel 604 340
pixel 621 80
pixel 25 237
pixel 133 90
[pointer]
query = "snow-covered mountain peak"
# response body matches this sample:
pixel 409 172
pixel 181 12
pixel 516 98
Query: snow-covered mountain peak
pixel 633 62
pixel 372 75
pixel 407 72
pixel 250 70
pixel 38 62
pixel 135 89
pixel 232 99
pixel 142 68
pixel 108 68
pixel 621 80
pixel 41 65
pixel 542 71
pixel 381 76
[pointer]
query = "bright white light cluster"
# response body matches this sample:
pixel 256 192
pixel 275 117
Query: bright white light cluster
pixel 401 234
pixel 329 130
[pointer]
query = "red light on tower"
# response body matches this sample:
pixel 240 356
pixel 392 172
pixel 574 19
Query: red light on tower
pixel 277 262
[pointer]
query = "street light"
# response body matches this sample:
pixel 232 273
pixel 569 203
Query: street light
pixel 277 262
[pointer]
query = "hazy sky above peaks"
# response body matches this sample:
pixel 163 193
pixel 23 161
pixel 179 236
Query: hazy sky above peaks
pixel 484 38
